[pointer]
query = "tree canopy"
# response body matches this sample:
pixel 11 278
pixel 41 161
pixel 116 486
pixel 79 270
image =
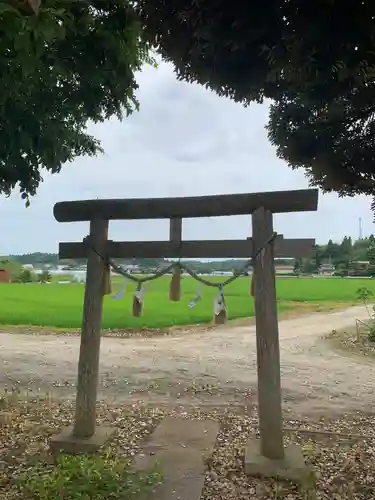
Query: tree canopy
pixel 251 50
pixel 75 61
pixel 316 60
pixel 63 65
pixel 332 140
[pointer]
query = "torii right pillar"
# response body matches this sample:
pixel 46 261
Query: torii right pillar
pixel 267 456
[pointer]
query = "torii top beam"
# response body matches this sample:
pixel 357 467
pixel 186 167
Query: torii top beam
pixel 303 200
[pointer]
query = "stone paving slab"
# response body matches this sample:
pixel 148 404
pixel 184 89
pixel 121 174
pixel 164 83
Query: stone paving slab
pixel 180 447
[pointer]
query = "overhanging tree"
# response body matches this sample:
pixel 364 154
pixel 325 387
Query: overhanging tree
pixel 333 140
pixel 252 50
pixel 67 63
pixel 316 60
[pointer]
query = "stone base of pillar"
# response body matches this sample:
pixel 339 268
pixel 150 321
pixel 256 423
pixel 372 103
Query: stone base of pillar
pixel 292 467
pixel 65 442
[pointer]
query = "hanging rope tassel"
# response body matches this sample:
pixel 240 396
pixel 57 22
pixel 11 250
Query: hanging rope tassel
pixel 138 301
pixel 252 286
pixel 220 310
pixel 175 285
pixel 107 289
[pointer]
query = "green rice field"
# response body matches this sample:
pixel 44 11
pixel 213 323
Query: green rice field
pixel 60 305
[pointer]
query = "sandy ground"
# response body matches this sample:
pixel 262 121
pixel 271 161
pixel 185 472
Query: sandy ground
pixel 212 367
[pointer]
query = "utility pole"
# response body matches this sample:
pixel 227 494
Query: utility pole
pixel 360 227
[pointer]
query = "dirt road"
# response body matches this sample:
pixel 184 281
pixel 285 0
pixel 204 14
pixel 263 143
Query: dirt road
pixel 217 366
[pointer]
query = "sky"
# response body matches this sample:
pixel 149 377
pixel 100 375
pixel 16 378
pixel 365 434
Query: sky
pixel 184 141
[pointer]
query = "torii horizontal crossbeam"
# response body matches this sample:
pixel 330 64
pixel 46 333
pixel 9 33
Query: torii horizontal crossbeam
pixel 188 249
pixel 303 200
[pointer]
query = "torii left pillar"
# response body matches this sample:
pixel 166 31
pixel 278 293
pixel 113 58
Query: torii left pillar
pixel 85 436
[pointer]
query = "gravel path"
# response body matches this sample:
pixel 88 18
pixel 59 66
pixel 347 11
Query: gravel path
pixel 214 367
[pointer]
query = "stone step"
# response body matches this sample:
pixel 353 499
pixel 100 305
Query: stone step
pixel 180 447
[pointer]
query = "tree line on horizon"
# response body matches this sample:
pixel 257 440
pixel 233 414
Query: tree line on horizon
pixel 344 256
pixel 347 257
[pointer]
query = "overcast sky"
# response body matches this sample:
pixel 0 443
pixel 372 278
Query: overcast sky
pixel 185 141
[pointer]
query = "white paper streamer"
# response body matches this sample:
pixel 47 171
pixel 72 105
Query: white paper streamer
pixel 120 292
pixel 196 299
pixel 79 278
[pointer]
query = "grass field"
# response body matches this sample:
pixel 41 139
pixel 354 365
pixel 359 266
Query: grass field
pixel 58 305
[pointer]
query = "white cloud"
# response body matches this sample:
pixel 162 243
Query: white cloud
pixel 184 141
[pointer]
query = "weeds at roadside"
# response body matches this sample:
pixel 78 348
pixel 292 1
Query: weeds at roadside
pixel 28 471
pixel 365 295
pixel 347 341
pixel 107 477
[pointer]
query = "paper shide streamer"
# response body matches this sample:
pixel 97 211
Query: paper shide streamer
pixel 193 302
pixel 120 292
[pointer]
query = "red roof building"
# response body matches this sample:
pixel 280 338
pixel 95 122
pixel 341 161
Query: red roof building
pixel 4 276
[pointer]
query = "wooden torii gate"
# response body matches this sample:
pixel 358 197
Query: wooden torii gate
pixel 85 435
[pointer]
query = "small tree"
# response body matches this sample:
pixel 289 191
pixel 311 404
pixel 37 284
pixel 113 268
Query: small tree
pixel 342 269
pixel 371 258
pixel 44 276
pixel 371 254
pixel 297 267
pixel 25 276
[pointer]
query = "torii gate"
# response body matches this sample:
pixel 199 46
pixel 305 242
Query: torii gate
pixel 264 457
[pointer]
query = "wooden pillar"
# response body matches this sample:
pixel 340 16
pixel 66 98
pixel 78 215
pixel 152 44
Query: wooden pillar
pixel 175 236
pixel 267 339
pixel 88 365
pixel 175 230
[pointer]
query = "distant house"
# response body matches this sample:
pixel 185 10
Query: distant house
pixel 361 264
pixel 5 276
pixel 327 269
pixel 284 269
